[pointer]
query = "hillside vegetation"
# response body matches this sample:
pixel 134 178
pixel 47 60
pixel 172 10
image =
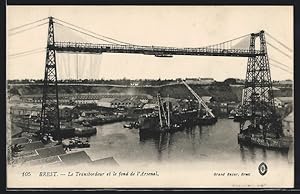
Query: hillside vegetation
pixel 220 91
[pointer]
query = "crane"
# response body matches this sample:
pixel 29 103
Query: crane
pixel 200 100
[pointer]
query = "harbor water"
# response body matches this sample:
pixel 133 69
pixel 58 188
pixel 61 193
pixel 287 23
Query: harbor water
pixel 217 142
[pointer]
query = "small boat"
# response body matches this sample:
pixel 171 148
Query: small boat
pixel 176 127
pixel 129 126
pixel 232 114
pixel 132 125
pixel 86 124
pixel 135 125
pixel 76 143
pixel 238 118
pixel 83 145
pixel 230 117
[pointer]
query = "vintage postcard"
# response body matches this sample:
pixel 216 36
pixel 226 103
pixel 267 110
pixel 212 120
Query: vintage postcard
pixel 150 97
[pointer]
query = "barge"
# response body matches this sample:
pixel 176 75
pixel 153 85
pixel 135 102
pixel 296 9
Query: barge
pixel 281 143
pixel 94 121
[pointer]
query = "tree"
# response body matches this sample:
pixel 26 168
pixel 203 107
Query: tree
pixel 14 91
pixel 230 81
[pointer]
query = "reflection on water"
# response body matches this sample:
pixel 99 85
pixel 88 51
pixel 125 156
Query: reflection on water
pixel 199 143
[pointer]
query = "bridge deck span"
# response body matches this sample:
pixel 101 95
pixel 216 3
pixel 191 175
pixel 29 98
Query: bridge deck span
pixel 152 50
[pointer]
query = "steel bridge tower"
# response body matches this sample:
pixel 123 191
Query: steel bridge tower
pixel 258 100
pixel 50 122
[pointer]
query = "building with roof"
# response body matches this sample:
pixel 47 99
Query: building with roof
pixel 116 102
pixel 284 82
pixel 15 99
pixel 201 81
pixel 150 106
pixel 206 81
pixel 288 125
pixel 25 109
pixel 50 151
pixel 109 161
pixel 283 101
pixel 56 155
pixel 208 99
pixel 75 158
pixel 34 110
pixel 105 102
pixel 121 102
pixel 129 102
pixel 83 98
pixel 16 131
pixel 44 161
pixel 90 113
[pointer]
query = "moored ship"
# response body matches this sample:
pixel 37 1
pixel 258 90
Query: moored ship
pixel 281 143
pixel 178 120
pixel 265 132
pixel 168 120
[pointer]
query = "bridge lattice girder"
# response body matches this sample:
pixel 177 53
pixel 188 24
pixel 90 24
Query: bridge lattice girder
pixel 153 50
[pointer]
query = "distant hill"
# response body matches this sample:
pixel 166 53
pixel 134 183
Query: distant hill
pixel 221 91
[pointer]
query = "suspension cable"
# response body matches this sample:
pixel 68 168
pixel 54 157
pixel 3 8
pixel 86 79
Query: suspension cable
pixel 92 32
pixel 274 65
pixel 279 42
pixel 26 24
pixel 240 37
pixel 20 31
pixel 279 62
pixel 85 33
pixel 25 53
pixel 279 50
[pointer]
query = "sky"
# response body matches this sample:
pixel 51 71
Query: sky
pixel 176 26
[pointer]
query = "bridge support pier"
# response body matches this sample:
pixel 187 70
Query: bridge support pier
pixel 258 100
pixel 50 122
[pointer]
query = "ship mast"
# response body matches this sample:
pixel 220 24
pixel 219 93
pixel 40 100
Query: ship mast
pixel 168 109
pixel 199 110
pixel 162 113
pixel 159 111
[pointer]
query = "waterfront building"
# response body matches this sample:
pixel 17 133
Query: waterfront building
pixel 91 113
pixel 84 98
pixel 150 106
pixel 105 102
pixel 34 110
pixel 288 125
pixel 283 101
